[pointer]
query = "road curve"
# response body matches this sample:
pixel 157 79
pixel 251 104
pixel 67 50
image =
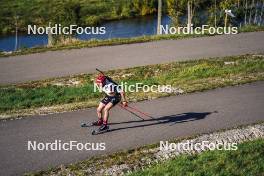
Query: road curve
pixel 176 116
pixel 38 66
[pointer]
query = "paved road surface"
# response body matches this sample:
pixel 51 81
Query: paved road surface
pixel 177 116
pixel 62 63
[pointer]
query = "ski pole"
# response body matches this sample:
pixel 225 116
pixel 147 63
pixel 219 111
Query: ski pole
pixel 131 112
pixel 100 71
pixel 137 110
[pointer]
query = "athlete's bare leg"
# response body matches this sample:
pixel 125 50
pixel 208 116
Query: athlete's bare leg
pixel 106 111
pixel 100 109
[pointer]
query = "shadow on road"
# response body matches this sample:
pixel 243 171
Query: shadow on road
pixel 172 120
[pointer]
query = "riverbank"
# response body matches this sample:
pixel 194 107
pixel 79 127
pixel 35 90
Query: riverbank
pixel 77 92
pixel 76 44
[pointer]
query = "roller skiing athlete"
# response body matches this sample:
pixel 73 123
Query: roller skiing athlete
pixel 114 94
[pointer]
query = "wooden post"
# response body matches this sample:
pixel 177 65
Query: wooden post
pixel 215 13
pixel 226 19
pixel 246 14
pixel 50 39
pixel 159 17
pixel 189 20
pixel 16 39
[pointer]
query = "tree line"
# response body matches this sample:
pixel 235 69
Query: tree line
pixel 212 12
pixel 17 14
pixel 66 12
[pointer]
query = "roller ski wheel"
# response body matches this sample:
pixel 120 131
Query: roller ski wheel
pixel 96 123
pixel 86 125
pixel 100 130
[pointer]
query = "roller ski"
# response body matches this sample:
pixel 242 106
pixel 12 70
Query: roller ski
pixel 102 129
pixel 96 123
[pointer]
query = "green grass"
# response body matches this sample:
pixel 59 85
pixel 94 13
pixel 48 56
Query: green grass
pixel 247 160
pixel 251 28
pixel 190 76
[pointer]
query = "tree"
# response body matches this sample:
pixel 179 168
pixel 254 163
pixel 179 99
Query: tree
pixel 250 12
pixel 174 11
pixel 260 16
pixel 192 5
pixel 190 13
pixel 256 13
pixel 226 5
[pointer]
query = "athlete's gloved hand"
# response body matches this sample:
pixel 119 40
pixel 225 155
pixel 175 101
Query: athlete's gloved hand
pixel 124 103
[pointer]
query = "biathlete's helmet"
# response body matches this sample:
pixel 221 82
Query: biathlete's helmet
pixel 100 79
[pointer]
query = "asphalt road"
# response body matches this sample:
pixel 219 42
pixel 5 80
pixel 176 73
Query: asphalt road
pixel 177 116
pixel 62 63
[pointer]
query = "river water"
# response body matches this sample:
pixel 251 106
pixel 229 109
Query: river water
pixel 114 29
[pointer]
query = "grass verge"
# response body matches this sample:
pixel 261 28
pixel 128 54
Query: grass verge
pixel 247 160
pixel 116 41
pixel 249 156
pixel 76 92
